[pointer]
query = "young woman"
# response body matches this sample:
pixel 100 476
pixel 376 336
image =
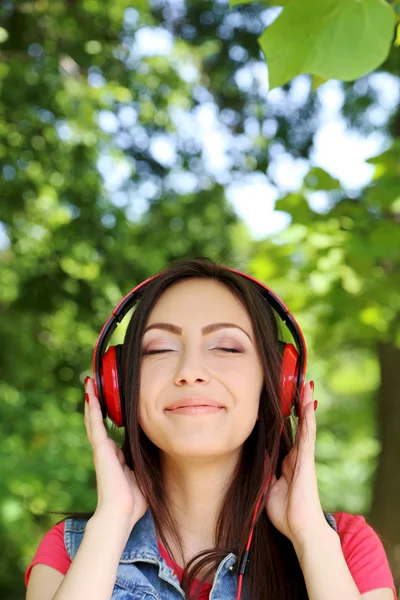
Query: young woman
pixel 200 379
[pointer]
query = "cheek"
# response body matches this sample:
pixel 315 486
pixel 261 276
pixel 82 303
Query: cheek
pixel 247 376
pixel 153 382
pixel 146 417
pixel 147 392
pixel 152 376
pixel 249 390
pixel 158 369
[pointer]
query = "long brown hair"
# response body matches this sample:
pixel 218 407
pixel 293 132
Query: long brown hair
pixel 273 571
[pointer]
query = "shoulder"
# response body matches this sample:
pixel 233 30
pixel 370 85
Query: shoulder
pixel 53 537
pixel 364 552
pixel 51 551
pixel 352 528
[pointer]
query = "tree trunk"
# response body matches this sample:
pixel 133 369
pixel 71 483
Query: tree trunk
pixel 385 510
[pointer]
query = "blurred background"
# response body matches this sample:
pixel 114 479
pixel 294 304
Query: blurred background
pixel 133 135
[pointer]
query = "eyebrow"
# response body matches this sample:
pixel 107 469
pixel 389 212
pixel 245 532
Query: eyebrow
pixel 205 330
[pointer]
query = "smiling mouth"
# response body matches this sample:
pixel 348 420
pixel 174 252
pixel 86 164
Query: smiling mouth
pixel 196 409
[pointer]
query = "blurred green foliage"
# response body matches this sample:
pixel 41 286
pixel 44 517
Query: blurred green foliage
pixel 329 39
pixel 89 209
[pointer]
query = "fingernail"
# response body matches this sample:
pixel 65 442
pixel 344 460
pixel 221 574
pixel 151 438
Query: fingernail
pixel 87 397
pixel 86 380
pixel 312 385
pixel 315 405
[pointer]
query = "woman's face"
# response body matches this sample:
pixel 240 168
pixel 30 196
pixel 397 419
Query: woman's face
pixel 187 354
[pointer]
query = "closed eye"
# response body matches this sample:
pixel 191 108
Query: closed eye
pixel 155 352
pixel 232 350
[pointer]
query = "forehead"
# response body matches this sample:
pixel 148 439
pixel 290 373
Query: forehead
pixel 199 300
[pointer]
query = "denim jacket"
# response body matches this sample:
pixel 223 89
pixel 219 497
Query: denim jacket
pixel 142 572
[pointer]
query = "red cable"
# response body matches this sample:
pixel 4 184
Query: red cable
pixel 247 549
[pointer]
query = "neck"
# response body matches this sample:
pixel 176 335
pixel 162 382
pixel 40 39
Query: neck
pixel 194 491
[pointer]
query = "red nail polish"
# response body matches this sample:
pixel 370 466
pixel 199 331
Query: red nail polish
pixel 312 385
pixel 86 380
pixel 315 405
pixel 87 397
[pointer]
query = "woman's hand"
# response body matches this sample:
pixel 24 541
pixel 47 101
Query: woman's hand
pixel 118 493
pixel 293 504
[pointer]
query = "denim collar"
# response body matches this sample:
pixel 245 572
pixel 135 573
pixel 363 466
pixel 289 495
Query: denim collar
pixel 142 545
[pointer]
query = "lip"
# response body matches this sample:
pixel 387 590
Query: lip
pixel 195 410
pixel 193 401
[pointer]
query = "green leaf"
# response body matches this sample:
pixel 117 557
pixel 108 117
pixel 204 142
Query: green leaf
pixel 233 3
pixel 316 81
pixel 383 193
pixel 334 39
pixel 387 163
pixel 269 2
pixel 296 205
pixel 319 179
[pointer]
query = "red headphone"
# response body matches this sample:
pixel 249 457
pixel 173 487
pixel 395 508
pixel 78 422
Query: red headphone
pixel 107 366
pixel 107 369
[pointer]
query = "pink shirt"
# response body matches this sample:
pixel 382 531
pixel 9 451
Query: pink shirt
pixel 362 549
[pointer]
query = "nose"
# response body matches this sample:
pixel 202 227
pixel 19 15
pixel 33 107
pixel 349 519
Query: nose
pixel 191 368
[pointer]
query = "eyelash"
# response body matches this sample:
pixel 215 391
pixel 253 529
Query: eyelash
pixel 230 350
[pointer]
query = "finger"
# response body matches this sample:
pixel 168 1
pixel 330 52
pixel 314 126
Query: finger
pixel 304 400
pixel 308 394
pixel 86 420
pixel 306 430
pixel 97 428
pixel 98 431
pixel 308 400
pixel 90 386
pixel 306 433
pixel 88 389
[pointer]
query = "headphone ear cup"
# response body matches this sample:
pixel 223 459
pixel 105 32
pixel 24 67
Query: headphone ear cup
pixel 289 376
pixel 110 374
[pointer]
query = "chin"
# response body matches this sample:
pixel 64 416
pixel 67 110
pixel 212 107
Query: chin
pixel 201 451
